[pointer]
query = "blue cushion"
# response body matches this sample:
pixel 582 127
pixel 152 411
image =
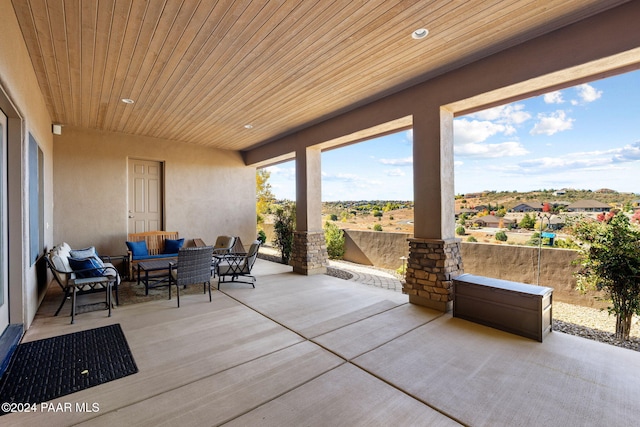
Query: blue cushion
pixel 138 248
pixel 172 246
pixel 160 256
pixel 85 264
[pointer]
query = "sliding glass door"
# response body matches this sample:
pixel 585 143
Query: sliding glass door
pixel 4 265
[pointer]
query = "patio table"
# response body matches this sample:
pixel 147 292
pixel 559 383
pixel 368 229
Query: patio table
pixel 156 274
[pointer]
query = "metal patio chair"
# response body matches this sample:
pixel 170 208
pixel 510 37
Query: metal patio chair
pixel 237 265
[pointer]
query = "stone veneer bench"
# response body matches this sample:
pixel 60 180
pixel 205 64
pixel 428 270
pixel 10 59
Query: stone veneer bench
pixel 514 307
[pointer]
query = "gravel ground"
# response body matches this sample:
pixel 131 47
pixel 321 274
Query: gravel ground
pixel 586 322
pixel 593 324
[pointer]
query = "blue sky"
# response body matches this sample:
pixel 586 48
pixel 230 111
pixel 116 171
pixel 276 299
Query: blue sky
pixel 583 137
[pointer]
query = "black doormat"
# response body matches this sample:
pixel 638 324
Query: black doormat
pixel 47 369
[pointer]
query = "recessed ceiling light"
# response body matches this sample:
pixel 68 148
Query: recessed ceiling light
pixel 127 100
pixel 420 34
pixel 248 126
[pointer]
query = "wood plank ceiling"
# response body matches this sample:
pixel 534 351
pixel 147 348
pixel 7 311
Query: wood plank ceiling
pixel 200 70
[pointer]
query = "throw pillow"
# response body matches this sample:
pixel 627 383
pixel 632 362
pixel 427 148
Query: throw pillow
pixel 138 248
pixel 86 264
pixel 89 252
pixel 83 253
pixel 172 246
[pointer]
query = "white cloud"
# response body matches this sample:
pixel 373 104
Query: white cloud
pixel 474 131
pixel 551 123
pixel 553 97
pixel 407 161
pixel 490 151
pixel 505 114
pixel 395 172
pixel 285 172
pixel 343 177
pixel 587 160
pixel 628 153
pixel 588 93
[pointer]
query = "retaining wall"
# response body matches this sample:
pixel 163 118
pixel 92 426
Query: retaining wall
pixel 508 262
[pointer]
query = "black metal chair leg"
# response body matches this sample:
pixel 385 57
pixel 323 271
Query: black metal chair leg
pixel 64 299
pixel 73 306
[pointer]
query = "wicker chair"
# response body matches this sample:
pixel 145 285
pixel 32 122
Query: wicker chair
pixel 237 265
pixel 194 266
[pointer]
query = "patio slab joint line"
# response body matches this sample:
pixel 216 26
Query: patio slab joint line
pixel 444 413
pixel 347 361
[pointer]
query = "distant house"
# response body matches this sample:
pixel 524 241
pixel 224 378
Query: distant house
pixel 559 193
pixel 588 206
pixel 473 195
pixel 556 222
pixel 467 211
pixel 527 207
pixel 493 221
pixel 605 191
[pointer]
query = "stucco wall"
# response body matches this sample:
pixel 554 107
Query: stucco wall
pixel 208 192
pixel 520 264
pixel 508 262
pixel 376 248
pixel 23 103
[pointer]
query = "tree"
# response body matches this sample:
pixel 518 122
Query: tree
pixel 528 221
pixel 264 196
pixel 283 227
pixel 610 261
pixel 334 237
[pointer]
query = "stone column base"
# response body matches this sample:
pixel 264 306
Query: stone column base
pixel 309 255
pixel 431 268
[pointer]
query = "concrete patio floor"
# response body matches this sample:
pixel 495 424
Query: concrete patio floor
pixel 318 351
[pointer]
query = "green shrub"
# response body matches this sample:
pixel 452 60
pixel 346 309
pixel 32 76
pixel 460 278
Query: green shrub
pixel 472 239
pixel 262 236
pixel 333 217
pixel 283 227
pixel 501 236
pixel 377 227
pixel 334 238
pixel 610 261
pixel 460 231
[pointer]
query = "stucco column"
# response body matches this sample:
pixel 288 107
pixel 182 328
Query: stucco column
pixel 434 252
pixel 309 255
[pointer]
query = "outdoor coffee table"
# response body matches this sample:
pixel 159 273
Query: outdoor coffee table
pixel 156 273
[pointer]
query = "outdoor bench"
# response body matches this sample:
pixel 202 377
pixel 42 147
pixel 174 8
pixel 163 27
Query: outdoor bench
pixel 514 307
pixel 152 245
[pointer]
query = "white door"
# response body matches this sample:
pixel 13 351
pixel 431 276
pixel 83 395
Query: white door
pixel 145 196
pixel 4 265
